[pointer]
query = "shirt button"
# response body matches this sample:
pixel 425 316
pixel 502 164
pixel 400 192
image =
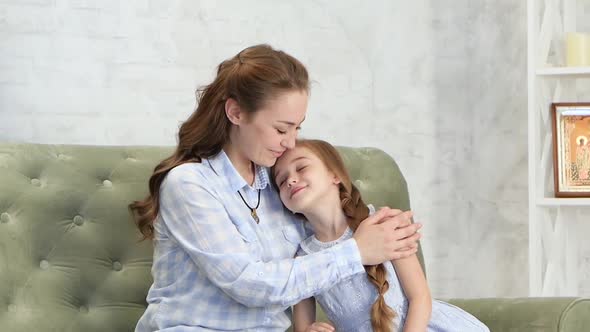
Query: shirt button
pixel 260 274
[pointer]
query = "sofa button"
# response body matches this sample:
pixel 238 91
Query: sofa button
pixel 36 182
pixel 78 220
pixel 117 266
pixel 107 183
pixel 44 265
pixel 83 309
pixel 4 217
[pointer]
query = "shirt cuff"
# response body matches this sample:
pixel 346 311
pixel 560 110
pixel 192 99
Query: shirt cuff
pixel 348 259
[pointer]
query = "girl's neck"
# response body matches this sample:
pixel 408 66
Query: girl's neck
pixel 243 165
pixel 327 218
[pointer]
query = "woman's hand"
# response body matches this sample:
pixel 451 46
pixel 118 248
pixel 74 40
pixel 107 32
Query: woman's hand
pixel 388 234
pixel 320 327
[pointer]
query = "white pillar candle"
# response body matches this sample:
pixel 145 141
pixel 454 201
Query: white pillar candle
pixel 577 49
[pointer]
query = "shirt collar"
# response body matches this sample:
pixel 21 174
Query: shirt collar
pixel 222 166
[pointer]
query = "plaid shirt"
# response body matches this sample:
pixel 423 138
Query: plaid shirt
pixel 215 269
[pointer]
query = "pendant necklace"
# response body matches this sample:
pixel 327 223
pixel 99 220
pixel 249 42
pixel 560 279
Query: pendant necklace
pixel 252 210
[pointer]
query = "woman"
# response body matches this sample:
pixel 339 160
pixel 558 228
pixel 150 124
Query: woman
pixel 223 242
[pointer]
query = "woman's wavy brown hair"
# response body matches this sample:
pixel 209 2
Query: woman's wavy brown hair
pixel 356 210
pixel 252 77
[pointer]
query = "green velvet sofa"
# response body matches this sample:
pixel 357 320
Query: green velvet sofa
pixel 70 259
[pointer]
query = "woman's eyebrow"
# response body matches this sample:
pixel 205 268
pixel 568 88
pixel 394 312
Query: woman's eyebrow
pixel 292 123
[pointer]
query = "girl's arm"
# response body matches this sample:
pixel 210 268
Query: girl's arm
pixel 303 314
pixel 304 317
pixel 416 289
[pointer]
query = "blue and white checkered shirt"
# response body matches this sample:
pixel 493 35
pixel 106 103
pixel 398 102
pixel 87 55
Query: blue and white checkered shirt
pixel 215 269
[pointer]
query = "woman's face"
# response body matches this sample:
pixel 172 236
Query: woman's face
pixel 303 180
pixel 270 131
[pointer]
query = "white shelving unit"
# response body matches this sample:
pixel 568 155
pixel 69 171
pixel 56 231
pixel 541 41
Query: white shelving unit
pixel 553 240
pixel 563 71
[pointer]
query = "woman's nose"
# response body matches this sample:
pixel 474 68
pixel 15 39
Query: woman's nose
pixel 289 142
pixel 291 182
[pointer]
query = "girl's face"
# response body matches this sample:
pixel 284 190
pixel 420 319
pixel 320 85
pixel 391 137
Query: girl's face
pixel 303 180
pixel 266 134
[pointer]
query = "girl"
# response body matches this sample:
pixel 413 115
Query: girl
pixel 223 243
pixel 313 182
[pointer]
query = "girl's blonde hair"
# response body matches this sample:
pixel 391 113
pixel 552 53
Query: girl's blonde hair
pixel 356 210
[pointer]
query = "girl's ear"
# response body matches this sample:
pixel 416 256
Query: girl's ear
pixel 336 179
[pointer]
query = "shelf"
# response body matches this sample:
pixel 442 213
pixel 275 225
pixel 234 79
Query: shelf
pixel 563 71
pixel 564 202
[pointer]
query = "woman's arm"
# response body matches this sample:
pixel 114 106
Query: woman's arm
pixel 198 222
pixel 196 219
pixel 416 289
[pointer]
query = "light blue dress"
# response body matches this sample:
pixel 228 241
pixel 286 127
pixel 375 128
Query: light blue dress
pixel 348 303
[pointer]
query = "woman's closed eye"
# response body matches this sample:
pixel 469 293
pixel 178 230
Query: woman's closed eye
pixel 282 132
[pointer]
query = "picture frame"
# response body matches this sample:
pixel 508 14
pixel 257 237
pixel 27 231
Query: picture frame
pixel 571 149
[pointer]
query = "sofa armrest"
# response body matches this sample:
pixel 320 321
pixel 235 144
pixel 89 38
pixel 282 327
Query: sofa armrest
pixel 547 314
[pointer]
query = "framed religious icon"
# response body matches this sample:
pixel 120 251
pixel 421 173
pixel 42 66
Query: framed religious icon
pixel 571 149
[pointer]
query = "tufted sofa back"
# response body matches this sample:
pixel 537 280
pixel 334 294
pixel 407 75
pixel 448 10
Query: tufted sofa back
pixel 70 259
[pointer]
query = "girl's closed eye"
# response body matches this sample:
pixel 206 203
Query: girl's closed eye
pixel 280 181
pixel 282 132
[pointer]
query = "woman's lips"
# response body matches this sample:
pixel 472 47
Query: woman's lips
pixel 277 154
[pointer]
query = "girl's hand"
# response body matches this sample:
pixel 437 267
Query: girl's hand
pixel 320 327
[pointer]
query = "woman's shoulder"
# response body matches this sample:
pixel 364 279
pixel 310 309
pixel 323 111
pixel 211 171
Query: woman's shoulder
pixel 186 169
pixel 189 173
